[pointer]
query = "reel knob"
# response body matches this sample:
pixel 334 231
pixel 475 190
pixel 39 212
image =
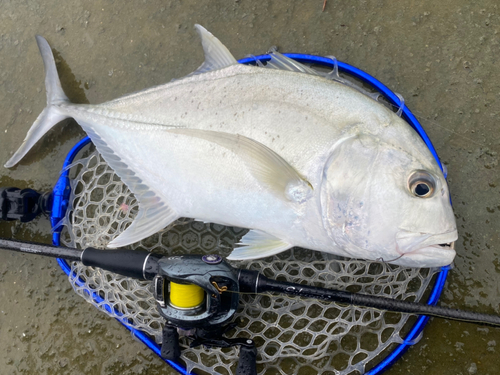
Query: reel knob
pixel 247 363
pixel 170 348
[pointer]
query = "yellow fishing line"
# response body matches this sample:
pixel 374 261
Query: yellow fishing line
pixel 186 296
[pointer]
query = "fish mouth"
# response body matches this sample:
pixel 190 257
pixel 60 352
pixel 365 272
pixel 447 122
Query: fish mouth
pixel 431 251
pixel 444 248
pixel 430 256
pixel 449 245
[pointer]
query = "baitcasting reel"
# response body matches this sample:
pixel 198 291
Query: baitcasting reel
pixel 198 296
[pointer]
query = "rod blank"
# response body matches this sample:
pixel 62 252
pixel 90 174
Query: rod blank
pixel 41 249
pixel 254 282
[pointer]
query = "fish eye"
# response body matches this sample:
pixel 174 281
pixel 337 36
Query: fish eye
pixel 421 184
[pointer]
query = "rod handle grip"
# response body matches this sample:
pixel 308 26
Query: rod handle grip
pixel 131 263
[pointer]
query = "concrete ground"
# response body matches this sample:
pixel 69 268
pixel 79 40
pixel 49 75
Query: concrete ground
pixel 443 57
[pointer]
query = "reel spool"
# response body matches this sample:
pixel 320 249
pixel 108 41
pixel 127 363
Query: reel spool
pixel 185 296
pixel 195 292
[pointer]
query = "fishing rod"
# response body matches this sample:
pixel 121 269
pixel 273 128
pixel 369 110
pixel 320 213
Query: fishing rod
pixel 198 270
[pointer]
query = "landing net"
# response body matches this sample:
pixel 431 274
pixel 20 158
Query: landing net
pixel 293 335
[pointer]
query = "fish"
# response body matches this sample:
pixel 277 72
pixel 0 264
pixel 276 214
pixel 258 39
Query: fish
pixel 295 157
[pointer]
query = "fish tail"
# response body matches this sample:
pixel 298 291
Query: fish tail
pixel 51 115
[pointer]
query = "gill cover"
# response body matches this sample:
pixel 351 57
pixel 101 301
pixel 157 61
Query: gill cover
pixel 344 192
pixel 367 203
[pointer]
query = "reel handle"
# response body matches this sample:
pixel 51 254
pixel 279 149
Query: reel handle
pixel 247 363
pixel 170 348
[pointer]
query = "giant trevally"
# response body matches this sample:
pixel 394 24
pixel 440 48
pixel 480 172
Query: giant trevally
pixel 297 158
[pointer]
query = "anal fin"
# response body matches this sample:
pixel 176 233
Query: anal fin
pixel 152 217
pixel 154 213
pixel 258 244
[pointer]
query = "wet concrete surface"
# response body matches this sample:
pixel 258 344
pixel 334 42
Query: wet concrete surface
pixel 443 57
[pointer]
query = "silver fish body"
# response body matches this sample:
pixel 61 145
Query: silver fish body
pixel 298 159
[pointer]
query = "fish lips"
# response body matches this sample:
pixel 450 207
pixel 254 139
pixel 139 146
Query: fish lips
pixel 426 249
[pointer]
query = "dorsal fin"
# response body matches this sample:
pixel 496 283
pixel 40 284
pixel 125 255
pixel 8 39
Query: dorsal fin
pixel 217 56
pixel 281 62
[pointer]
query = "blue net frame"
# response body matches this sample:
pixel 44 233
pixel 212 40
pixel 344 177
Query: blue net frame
pixel 62 190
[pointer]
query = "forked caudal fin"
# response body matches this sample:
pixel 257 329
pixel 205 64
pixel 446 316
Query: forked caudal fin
pixel 50 116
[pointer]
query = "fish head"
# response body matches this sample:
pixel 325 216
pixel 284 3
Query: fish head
pixel 382 201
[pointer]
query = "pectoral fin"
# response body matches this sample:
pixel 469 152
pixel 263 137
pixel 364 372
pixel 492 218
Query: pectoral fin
pixel 270 169
pixel 257 244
